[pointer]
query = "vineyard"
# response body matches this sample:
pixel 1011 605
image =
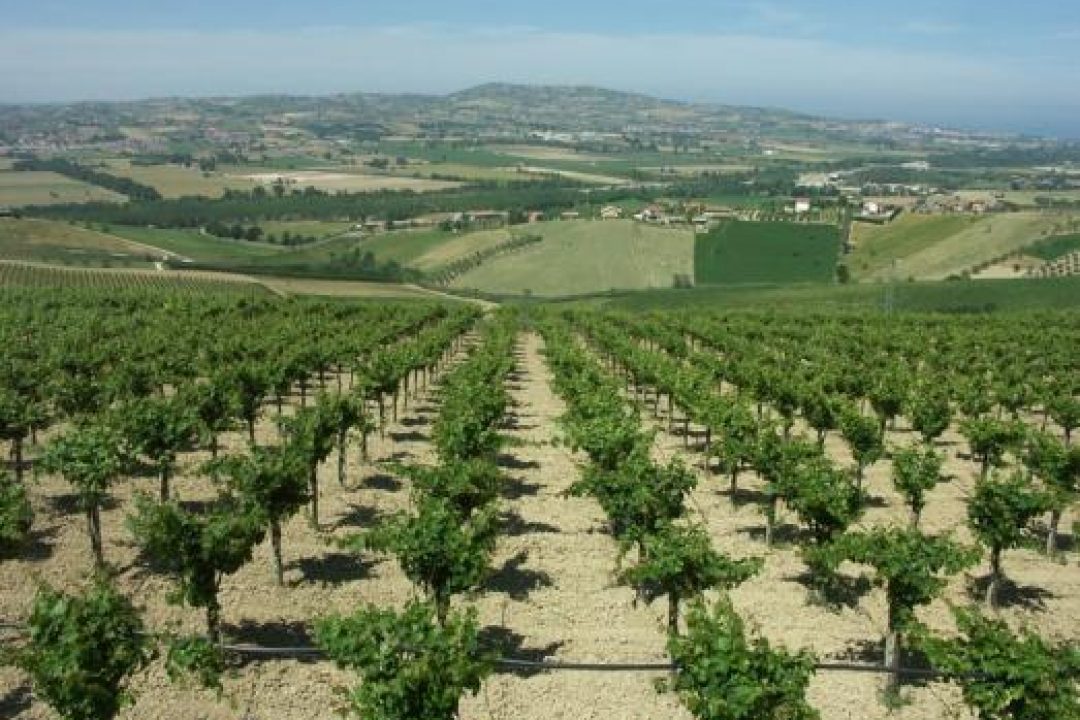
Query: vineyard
pixel 233 507
pixel 28 275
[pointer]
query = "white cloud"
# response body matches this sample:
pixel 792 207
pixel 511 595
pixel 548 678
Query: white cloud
pixel 791 72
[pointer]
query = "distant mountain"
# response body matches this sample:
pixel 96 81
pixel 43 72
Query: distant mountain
pixel 494 110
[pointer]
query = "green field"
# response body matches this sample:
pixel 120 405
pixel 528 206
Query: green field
pixel 194 245
pixel 757 252
pixel 304 228
pixel 1054 247
pixel 62 244
pixel 956 296
pixel 48 188
pixel 877 246
pixel 578 257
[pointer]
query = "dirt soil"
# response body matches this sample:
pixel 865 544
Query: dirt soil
pixel 551 595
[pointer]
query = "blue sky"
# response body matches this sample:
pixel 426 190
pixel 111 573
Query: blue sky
pixel 991 63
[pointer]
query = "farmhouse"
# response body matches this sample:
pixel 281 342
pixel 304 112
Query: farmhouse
pixel 535 216
pixel 611 212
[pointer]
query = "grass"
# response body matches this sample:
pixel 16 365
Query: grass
pixel 979 242
pixel 347 288
pixel 47 188
pixel 955 296
pixel 578 257
pixel 339 179
pixel 306 228
pixel 175 181
pixel 1052 248
pixel 62 244
pixel 755 252
pixel 196 246
pixel 877 246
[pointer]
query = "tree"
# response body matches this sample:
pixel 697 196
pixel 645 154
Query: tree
pixel 998 513
pixel 91 458
pixel 910 567
pixel 1057 465
pixel 467 485
pixel 916 471
pixel 412 668
pixel 214 403
pixel 887 393
pixel 249 383
pixel 724 675
pixel 81 650
pixel 679 562
pixel 437 549
pixel 15 420
pixel 864 438
pixel 777 460
pixel 825 499
pixel 159 428
pixel 274 480
pixel 16 515
pixel 344 412
pixel 821 412
pixel 198 549
pixel 1064 407
pixel 1005 675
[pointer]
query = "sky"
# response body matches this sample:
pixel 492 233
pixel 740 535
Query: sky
pixel 992 64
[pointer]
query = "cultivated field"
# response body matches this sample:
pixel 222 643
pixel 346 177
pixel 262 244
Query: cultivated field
pixel 174 181
pixel 54 242
pixel 15 274
pixel 194 245
pixel 761 252
pixel 584 256
pixel 334 180
pixel 48 188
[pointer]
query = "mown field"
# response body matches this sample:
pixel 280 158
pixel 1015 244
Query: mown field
pixel 174 181
pixel 193 245
pixel 745 252
pixel 48 188
pixel 583 256
pixel 932 247
pixel 60 243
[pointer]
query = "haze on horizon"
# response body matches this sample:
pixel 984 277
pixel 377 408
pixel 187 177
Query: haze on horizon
pixel 985 64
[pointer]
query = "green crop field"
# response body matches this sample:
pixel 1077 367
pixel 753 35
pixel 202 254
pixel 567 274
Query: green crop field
pixel 756 252
pixel 304 228
pixel 1054 247
pixel 48 188
pixel 956 296
pixel 578 257
pixel 196 246
pixel 63 244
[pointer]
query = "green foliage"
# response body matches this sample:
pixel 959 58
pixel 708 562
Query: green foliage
pixel 466 485
pixel 930 412
pixel 911 567
pixel 679 562
pixel 916 471
pixel 158 428
pixel 1007 675
pixel 825 498
pixel 16 515
pixel 724 675
pixel 991 438
pixel 81 650
pixel 198 549
pixel 412 668
pixel 863 436
pixel 437 549
pixel 195 659
pixel 91 458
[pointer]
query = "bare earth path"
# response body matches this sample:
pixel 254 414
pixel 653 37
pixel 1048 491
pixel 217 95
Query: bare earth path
pixel 555 594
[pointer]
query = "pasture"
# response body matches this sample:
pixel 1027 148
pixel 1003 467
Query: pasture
pixel 193 245
pixel 342 180
pixel 48 188
pixel 762 252
pixel 174 181
pixel 63 244
pixel 578 257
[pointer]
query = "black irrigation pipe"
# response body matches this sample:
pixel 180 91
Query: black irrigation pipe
pixel 510 664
